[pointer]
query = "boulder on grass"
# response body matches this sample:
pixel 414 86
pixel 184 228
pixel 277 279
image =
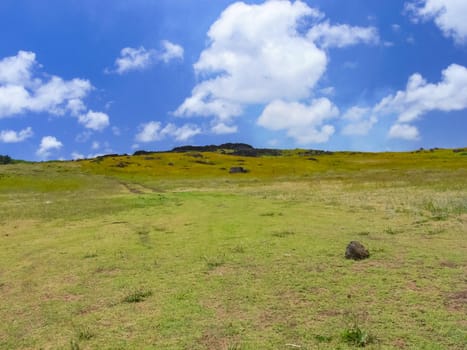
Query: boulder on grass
pixel 356 251
pixel 237 170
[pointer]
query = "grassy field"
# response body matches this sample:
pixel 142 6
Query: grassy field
pixel 170 251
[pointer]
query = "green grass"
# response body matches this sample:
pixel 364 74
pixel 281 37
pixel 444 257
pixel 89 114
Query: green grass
pixel 188 256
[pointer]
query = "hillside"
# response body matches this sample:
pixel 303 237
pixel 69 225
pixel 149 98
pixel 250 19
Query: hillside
pixel 169 250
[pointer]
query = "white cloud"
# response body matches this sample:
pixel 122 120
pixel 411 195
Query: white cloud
pixel 153 131
pixel 133 59
pixel 396 27
pixel 76 106
pixel 97 121
pixel 261 53
pixel 220 128
pixel 327 35
pixel 404 131
pixel 304 123
pixel 77 155
pixel 360 119
pixel 95 145
pixel 182 133
pixel 48 143
pixel 328 91
pixel 255 56
pixel 421 97
pixel 449 16
pixel 11 136
pixel 21 90
pixel 171 51
pixel 17 70
pixel 418 98
pixel 149 132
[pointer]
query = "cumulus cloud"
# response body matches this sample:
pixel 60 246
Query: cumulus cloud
pixel 258 54
pixel 24 90
pixel 182 133
pixel 327 35
pixel 448 15
pixel 48 144
pixel 360 121
pixel 96 121
pixel 149 132
pixel 11 136
pixel 418 99
pixel 153 131
pixel 421 97
pixel 133 59
pixel 17 70
pixel 220 128
pixel 404 131
pixel 170 51
pixel 255 56
pixel 21 90
pixel 304 123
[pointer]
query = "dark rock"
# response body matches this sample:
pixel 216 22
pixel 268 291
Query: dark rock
pixel 237 170
pixel 356 251
pixel 256 152
pixel 214 148
pixel 142 153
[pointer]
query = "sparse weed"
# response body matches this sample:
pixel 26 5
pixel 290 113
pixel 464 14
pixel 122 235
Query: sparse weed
pixel 282 234
pixel 441 209
pixel 74 345
pixel 214 261
pixel 271 213
pixel 85 333
pixel 363 233
pixel 391 231
pixel 238 249
pixel 323 338
pixel 137 296
pixel 354 334
pixel 144 238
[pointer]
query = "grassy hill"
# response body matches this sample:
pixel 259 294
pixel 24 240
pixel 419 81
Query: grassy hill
pixel 172 251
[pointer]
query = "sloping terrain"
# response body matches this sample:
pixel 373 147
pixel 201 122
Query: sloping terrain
pixel 172 251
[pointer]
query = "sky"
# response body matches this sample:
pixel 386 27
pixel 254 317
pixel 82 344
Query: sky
pixel 82 78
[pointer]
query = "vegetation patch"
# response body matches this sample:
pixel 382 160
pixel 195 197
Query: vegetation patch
pixel 354 334
pixel 283 234
pixel 214 261
pixel 137 296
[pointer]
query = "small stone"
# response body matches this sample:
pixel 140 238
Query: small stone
pixel 237 170
pixel 356 251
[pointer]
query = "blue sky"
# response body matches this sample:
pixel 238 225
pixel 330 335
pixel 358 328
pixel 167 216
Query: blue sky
pixel 79 78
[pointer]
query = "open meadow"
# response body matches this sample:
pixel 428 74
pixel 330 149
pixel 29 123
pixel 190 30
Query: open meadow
pixel 171 251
